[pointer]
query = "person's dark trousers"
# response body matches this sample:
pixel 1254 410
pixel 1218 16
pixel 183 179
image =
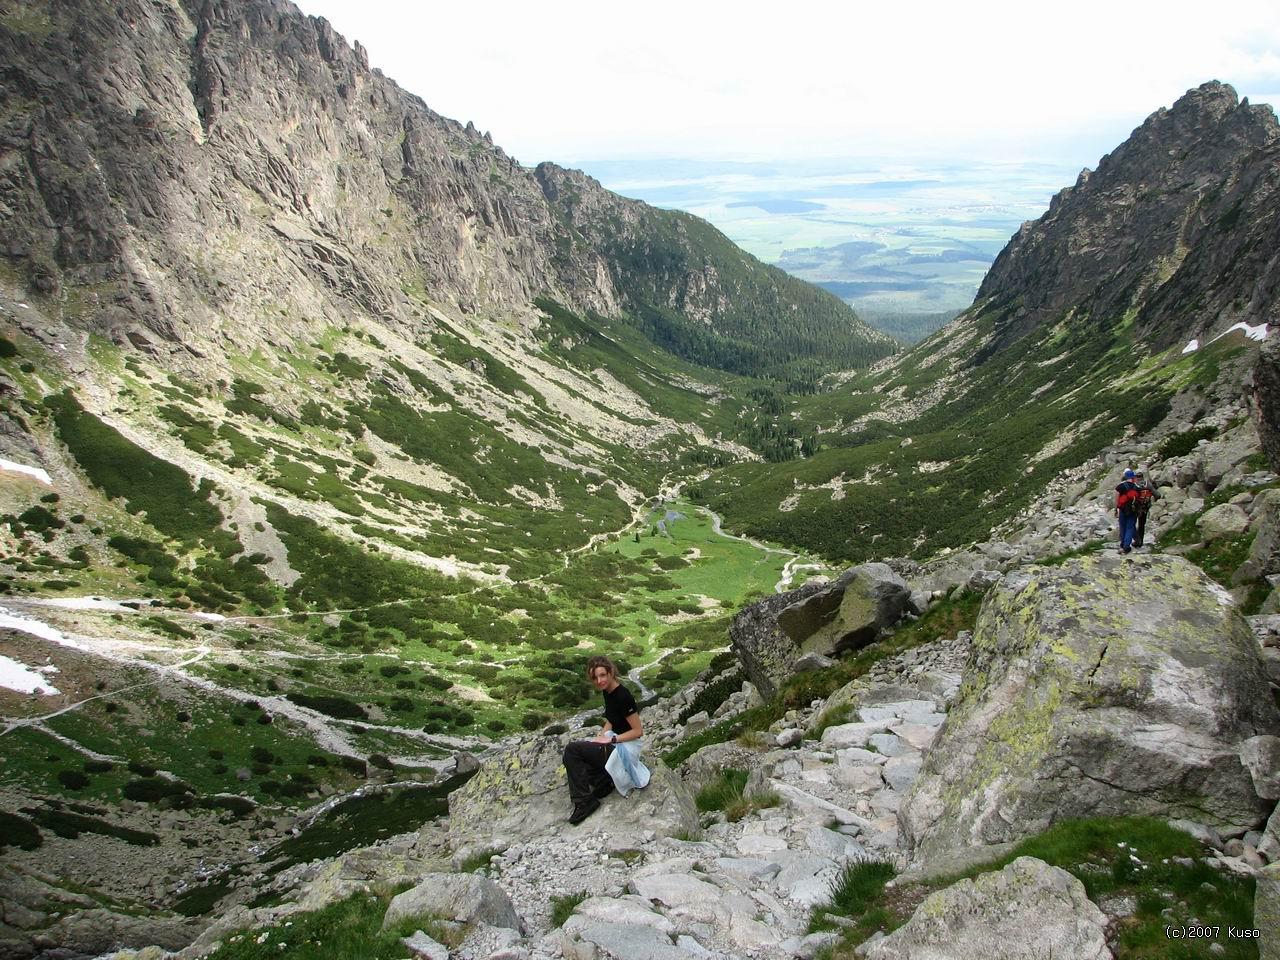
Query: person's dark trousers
pixel 1127 522
pixel 1140 537
pixel 584 764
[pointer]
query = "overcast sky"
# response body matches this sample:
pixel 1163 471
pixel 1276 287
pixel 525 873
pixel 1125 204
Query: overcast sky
pixel 574 81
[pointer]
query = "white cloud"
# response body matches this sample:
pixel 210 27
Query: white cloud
pixel 577 80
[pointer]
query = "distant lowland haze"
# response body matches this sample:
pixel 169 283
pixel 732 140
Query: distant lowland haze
pixel 885 154
pixel 896 239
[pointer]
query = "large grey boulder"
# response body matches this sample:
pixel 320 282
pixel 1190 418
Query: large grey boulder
pixel 461 897
pixel 1027 911
pixel 522 793
pixel 1266 399
pixel 1266 912
pixel 1106 687
pixel 1264 554
pixel 772 635
pixel 1224 520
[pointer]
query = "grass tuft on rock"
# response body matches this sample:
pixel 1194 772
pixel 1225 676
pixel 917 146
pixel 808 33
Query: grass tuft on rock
pixel 855 895
pixel 348 930
pixel 562 907
pixel 728 793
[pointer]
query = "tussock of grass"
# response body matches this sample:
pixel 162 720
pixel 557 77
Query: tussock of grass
pixel 728 793
pixel 855 894
pixel 478 860
pixel 347 930
pixel 562 907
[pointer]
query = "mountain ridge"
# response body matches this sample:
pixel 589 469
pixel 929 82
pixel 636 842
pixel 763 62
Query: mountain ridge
pixel 1153 229
pixel 208 198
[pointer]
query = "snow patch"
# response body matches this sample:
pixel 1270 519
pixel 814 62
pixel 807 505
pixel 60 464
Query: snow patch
pixel 33 472
pixel 20 677
pixel 1253 333
pixel 1191 347
pixel 13 621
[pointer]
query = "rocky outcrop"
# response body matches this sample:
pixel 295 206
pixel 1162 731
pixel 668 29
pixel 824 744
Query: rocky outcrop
pixel 770 636
pixel 1176 226
pixel 1105 687
pixel 1266 400
pixel 1027 911
pixel 521 792
pixel 1264 552
pixel 1266 913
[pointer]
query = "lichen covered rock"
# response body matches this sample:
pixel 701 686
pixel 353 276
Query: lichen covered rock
pixel 1106 687
pixel 1027 911
pixel 522 793
pixel 772 635
pixel 460 897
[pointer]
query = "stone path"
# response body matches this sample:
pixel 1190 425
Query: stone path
pixel 743 889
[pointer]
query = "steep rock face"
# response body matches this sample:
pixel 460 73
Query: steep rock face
pixel 1266 397
pixel 202 172
pixel 1178 224
pixel 200 163
pixel 1106 687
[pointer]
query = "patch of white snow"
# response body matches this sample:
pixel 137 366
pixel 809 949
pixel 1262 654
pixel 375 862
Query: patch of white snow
pixel 1191 347
pixel 20 677
pixel 34 472
pixel 13 621
pixel 1253 333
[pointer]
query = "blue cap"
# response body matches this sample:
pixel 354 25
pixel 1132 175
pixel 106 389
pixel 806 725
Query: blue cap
pixel 1129 474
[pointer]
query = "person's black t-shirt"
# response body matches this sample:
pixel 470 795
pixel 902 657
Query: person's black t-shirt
pixel 619 705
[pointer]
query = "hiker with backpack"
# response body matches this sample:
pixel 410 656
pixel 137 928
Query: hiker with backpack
pixel 1126 510
pixel 1146 495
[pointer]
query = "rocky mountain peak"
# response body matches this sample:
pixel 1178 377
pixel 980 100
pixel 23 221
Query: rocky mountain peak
pixel 1173 230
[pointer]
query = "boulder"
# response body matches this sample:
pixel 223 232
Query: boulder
pixel 1108 686
pixel 420 945
pixel 521 792
pixel 383 866
pixel 812 661
pixel 705 765
pixel 461 897
pixel 1264 554
pixel 1266 399
pixel 1224 520
pixel 1261 757
pixel 1269 845
pixel 587 938
pixel 697 723
pixel 770 636
pixel 1027 911
pixel 1266 912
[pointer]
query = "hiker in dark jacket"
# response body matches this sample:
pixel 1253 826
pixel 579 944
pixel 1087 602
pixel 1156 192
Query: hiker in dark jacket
pixel 596 767
pixel 1126 510
pixel 1147 494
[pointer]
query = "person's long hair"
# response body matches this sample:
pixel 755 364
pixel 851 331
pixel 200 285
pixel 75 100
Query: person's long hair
pixel 605 662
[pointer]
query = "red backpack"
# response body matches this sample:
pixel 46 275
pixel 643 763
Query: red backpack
pixel 1142 499
pixel 1126 493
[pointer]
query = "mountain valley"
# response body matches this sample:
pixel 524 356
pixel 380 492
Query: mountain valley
pixel 334 441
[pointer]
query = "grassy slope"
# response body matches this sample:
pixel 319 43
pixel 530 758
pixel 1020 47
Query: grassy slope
pixel 965 455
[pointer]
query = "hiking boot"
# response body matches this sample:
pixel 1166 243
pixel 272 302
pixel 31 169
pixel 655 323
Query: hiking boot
pixel 603 790
pixel 583 810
